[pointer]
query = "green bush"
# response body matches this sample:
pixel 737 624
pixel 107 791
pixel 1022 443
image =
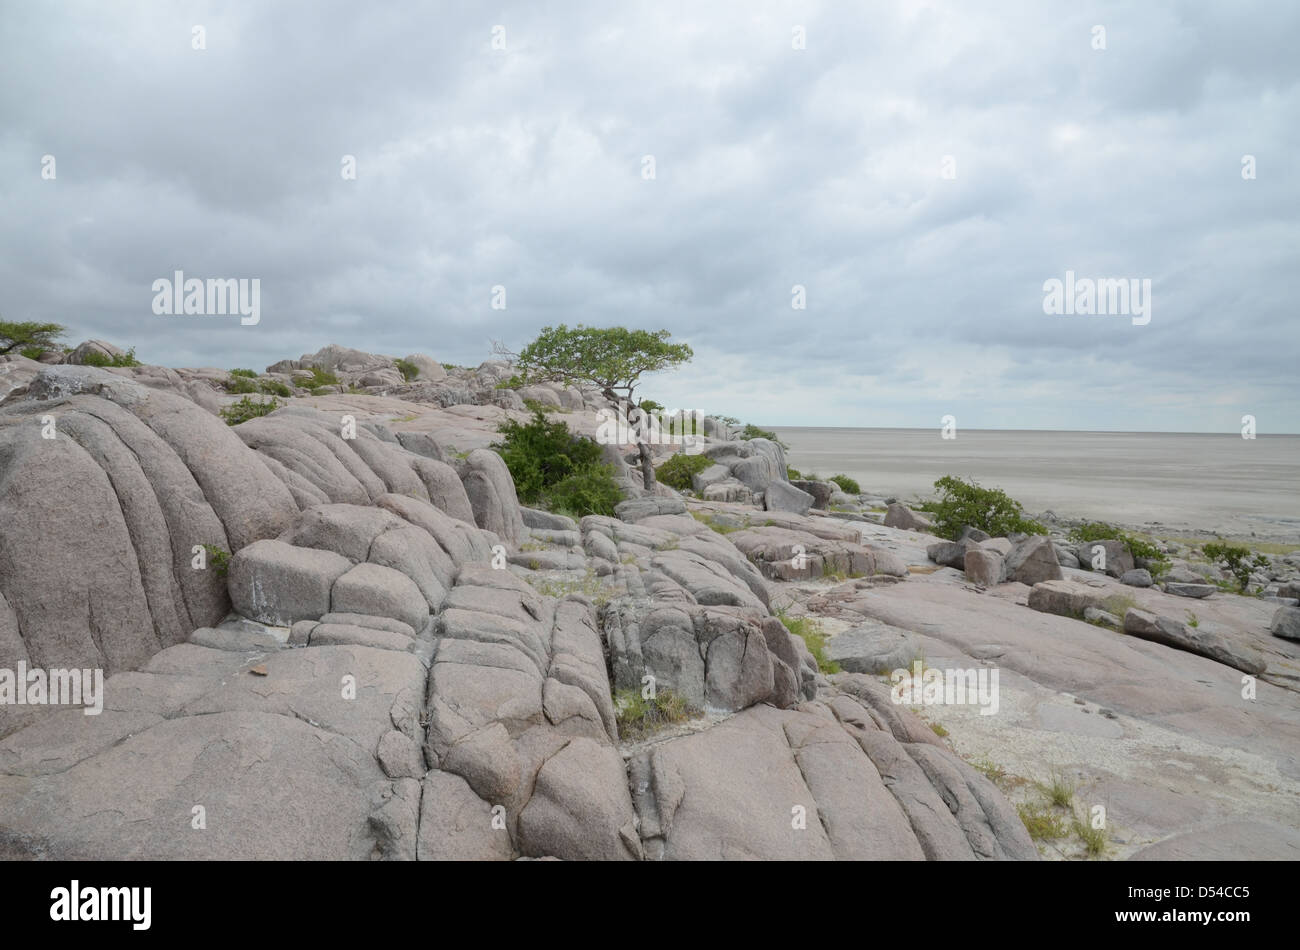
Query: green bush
pixel 321 377
pixel 33 352
pixel 241 384
pixel 248 408
pixel 1237 559
pixel 247 373
pixel 677 471
pixel 847 485
pixel 219 558
pixel 95 358
pixel 1138 547
pixel 273 387
pixel 752 431
pixel 557 469
pixel 793 474
pixel 963 503
pixel 639 717
pixel 408 369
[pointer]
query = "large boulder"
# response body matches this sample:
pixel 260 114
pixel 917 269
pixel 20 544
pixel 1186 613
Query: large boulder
pixel 1033 561
pixel 277 583
pixel 900 516
pixel 782 496
pixel 1173 633
pixel 1113 557
pixel 492 496
pixel 1286 623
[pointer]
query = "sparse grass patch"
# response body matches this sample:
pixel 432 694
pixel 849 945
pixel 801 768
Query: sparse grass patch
pixel 716 525
pixel 248 408
pixel 1093 839
pixel 1059 790
pixel 811 633
pixel 990 770
pixel 939 730
pixel 1042 823
pixel 639 717
pixel 1118 604
pixel 589 586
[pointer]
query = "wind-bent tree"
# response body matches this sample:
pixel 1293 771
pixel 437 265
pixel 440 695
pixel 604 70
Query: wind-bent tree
pixel 15 336
pixel 611 358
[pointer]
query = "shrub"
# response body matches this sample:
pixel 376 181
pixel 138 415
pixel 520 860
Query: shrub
pixel 551 465
pixel 240 385
pixel 248 408
pixel 1235 557
pixel 677 471
pixel 33 352
pixel 847 485
pixel 219 558
pixel 95 358
pixel 248 373
pixel 639 717
pixel 793 474
pixel 963 503
pixel 321 377
pixel 273 387
pixel 752 431
pixel 408 369
pixel 1089 531
pixel 591 491
pixel 1042 823
pixel 811 633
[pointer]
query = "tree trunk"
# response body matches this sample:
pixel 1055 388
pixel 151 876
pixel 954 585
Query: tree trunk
pixel 647 466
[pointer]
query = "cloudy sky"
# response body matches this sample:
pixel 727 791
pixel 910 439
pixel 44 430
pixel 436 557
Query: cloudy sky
pixel 920 168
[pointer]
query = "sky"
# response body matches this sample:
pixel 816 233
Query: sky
pixel 920 170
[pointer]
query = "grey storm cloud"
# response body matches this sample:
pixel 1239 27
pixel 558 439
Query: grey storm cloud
pixel 774 167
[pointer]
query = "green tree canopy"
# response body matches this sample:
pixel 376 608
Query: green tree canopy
pixel 613 358
pixel 22 335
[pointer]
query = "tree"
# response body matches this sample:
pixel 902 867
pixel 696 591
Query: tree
pixel 22 335
pixel 610 358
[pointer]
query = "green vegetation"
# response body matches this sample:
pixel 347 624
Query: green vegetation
pixel 219 558
pixel 557 469
pixel 28 334
pixel 248 408
pixel 1059 790
pixel 534 405
pixel 408 369
pixel 639 717
pixel 1237 559
pixel 793 474
pixel 719 526
pixel 1041 822
pixel 1139 547
pixel 320 377
pixel 273 387
pixel 1193 621
pixel 810 632
pixel 246 373
pixel 938 730
pixel 1093 839
pixel 323 390
pixel 34 352
pixel 95 358
pixel 991 770
pixel 589 586
pixel 963 503
pixel 752 431
pixel 677 471
pixel 611 358
pixel 847 485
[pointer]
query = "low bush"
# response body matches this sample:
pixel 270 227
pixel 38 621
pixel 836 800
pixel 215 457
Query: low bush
pixel 557 469
pixel 321 377
pixel 408 369
pixel 847 485
pixel 247 373
pixel 248 408
pixel 95 358
pixel 639 717
pixel 677 471
pixel 1237 559
pixel 963 503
